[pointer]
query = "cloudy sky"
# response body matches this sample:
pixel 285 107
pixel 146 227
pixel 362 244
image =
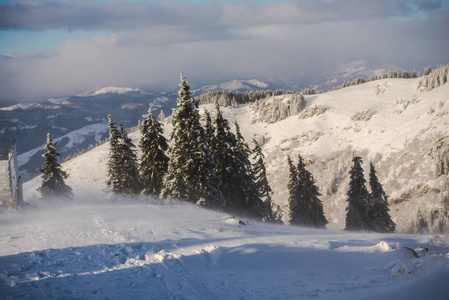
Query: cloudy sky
pixel 61 47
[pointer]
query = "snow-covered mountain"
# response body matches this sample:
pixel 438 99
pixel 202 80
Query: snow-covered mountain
pixel 29 123
pixel 99 246
pixel 234 86
pixel 84 116
pixel 108 90
pixel 401 130
pixel 326 79
pixel 77 122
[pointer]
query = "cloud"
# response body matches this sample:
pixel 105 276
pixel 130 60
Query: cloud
pixel 118 15
pixel 149 43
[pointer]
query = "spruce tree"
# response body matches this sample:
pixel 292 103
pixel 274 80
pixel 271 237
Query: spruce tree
pixel 316 212
pixel 209 128
pixel 380 220
pixel 271 212
pixel 222 148
pixel 293 190
pixel 233 169
pixel 252 202
pixel 357 216
pixel 154 161
pixel 129 176
pixel 114 163
pixel 190 174
pixel 306 209
pixel 53 176
pixel 300 212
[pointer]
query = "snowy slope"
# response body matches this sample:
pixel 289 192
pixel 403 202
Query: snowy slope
pixel 386 121
pixel 91 247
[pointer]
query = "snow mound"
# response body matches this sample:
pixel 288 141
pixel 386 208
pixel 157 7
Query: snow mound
pixel 380 247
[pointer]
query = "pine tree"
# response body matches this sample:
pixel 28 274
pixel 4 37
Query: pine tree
pixel 293 190
pixel 129 176
pixel 380 220
pixel 357 217
pixel 252 204
pixel 316 212
pixel 161 117
pixel 233 169
pixel 154 161
pixel 114 163
pixel 222 147
pixel 271 211
pixel 209 128
pixel 306 209
pixel 53 176
pixel 190 174
pixel 300 213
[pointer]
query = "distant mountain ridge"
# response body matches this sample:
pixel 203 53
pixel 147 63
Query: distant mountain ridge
pixel 77 122
pixel 235 86
pixel 30 122
pixel 390 122
pixel 326 79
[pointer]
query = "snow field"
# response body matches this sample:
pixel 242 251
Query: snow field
pixel 97 246
pixel 171 250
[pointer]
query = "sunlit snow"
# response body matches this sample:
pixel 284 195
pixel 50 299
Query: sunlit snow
pixel 99 246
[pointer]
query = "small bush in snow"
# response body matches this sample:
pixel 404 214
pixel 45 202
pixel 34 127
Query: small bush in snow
pixel 312 111
pixel 363 115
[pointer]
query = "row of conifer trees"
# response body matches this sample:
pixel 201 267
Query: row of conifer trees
pixel 210 166
pixel 365 211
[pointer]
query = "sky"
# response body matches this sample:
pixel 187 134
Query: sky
pixel 61 47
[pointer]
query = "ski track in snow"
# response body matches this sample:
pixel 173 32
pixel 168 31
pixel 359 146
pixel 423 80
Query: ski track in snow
pixel 138 250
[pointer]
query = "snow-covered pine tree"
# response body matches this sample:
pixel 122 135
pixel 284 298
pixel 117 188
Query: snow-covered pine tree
pixel 114 163
pixel 306 209
pixel 53 176
pixel 316 212
pixel 233 169
pixel 129 176
pixel 380 220
pixel 300 212
pixel 209 128
pixel 293 190
pixel 271 211
pixel 154 161
pixel 222 146
pixel 358 198
pixel 161 117
pixel 253 204
pixel 190 174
